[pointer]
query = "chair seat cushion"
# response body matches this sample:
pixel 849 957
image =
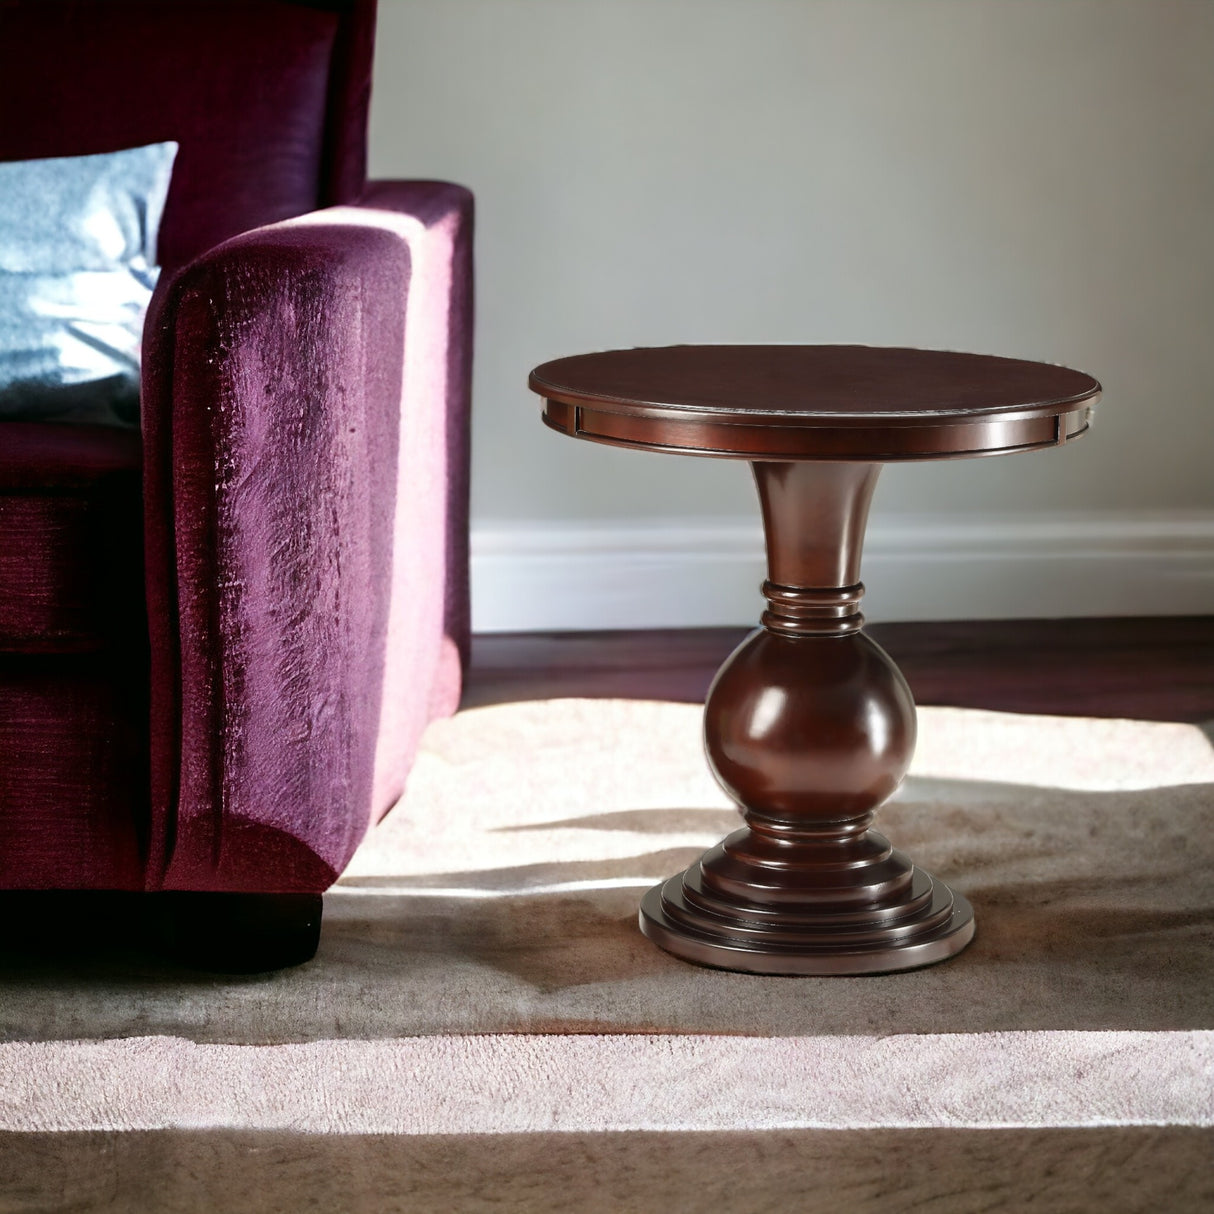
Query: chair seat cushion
pixel 71 538
pixel 73 658
pixel 73 771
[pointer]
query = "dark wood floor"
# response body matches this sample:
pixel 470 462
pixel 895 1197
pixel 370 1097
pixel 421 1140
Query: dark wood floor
pixel 1161 668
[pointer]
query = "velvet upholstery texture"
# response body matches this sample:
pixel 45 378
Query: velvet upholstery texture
pixel 71 543
pixel 276 370
pixel 225 694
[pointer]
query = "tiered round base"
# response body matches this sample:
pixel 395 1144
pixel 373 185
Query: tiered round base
pixel 928 923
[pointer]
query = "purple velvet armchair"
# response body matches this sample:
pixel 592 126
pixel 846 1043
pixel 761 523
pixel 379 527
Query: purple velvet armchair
pixel 221 639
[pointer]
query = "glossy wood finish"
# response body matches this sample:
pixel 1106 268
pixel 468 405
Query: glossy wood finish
pixel 809 725
pixel 814 402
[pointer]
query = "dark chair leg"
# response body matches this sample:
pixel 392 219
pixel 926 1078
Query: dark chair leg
pixel 238 933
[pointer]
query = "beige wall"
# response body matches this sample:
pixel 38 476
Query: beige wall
pixel 1024 177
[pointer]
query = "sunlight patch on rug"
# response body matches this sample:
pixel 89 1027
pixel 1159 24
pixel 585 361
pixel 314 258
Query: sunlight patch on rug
pixel 552 782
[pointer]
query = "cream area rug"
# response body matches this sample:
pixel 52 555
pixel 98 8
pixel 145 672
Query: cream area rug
pixel 485 1028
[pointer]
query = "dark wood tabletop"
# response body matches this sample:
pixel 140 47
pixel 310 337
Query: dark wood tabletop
pixel 814 402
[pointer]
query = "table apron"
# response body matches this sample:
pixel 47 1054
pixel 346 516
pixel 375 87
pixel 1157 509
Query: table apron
pixel 699 436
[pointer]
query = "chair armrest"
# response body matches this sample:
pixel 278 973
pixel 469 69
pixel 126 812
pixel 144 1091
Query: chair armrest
pixel 305 431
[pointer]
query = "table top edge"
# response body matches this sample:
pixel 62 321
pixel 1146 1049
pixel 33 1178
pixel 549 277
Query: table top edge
pixel 605 401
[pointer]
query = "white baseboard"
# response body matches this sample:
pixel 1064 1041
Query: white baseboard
pixel 674 573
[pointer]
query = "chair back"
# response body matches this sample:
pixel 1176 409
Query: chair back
pixel 267 98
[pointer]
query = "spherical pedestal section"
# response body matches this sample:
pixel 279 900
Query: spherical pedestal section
pixel 809 733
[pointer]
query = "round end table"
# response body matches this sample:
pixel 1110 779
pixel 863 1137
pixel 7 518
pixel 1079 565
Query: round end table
pixel 809 725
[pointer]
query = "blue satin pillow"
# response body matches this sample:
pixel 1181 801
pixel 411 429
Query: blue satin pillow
pixel 77 269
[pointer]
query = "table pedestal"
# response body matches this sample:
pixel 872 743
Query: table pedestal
pixel 809 726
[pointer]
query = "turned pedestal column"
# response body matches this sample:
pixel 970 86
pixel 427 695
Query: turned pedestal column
pixel 809 725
